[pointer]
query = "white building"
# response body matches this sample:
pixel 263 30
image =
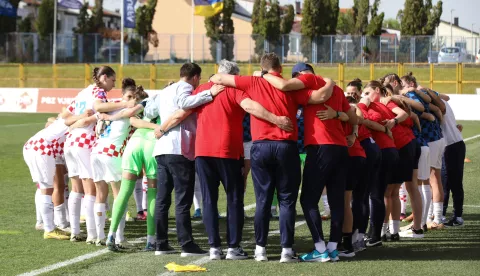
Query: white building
pixel 453 34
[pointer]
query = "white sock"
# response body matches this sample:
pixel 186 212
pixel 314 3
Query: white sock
pixel 437 211
pixel 420 190
pixel 47 213
pixel 394 226
pixel 197 195
pixel 38 206
pixel 120 235
pixel 151 239
pixel 74 204
pixel 89 202
pixel 111 234
pixel 384 228
pixel 138 195
pixel 331 246
pixel 427 199
pixel 320 246
pixel 260 249
pixel 287 251
pixel 99 209
pixel 60 215
pixel 82 209
pixel 326 207
pixel 361 236
pixel 403 199
pixel 144 191
pixel 430 212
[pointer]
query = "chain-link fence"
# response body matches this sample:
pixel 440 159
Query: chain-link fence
pixel 93 48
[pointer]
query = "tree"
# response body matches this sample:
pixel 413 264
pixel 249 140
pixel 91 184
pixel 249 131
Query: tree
pixel 418 18
pixel 286 27
pixel 96 20
pixel 83 25
pixel 220 30
pixel 391 23
pixel 345 23
pixel 44 22
pixel 143 25
pixel 25 25
pixel 258 25
pixel 320 17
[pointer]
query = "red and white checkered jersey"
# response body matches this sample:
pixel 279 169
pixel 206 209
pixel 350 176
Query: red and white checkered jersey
pixel 58 145
pixel 44 139
pixel 113 140
pixel 84 137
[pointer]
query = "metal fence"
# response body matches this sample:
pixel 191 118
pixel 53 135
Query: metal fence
pixel 93 48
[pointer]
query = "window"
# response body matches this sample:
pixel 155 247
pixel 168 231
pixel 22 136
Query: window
pixel 70 23
pixel 450 50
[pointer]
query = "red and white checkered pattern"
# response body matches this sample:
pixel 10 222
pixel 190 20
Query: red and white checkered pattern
pixel 85 140
pixel 58 146
pixel 111 151
pixel 99 93
pixel 71 107
pixel 40 145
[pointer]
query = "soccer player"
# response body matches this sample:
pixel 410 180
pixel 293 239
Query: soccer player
pixel 175 152
pixel 274 156
pixel 452 170
pixel 79 147
pixel 219 159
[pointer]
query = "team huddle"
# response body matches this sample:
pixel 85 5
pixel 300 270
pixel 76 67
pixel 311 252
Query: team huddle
pixel 359 149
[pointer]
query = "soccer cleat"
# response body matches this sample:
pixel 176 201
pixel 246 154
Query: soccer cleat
pixel 123 244
pixel 197 214
pixel 412 233
pixel 334 255
pixel 65 229
pixel 111 246
pixel 374 242
pixel 454 222
pixel 150 247
pixel 141 216
pixel 408 219
pixel 39 226
pixel 236 254
pixel 100 242
pixel 56 234
pixel 77 238
pixel 316 256
pixel 128 217
pixel 402 216
pixel 326 215
pixel 216 254
pixel 91 240
pixel 192 250
pixel 164 249
pixel 435 226
pixel 289 258
pixel 395 237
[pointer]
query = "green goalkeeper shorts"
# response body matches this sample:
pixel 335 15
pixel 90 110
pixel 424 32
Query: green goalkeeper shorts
pixel 138 154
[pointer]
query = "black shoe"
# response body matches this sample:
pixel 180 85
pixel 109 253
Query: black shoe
pixel 454 222
pixel 384 238
pixel 163 249
pixel 374 242
pixel 424 228
pixel 394 237
pixel 192 249
pixel 349 253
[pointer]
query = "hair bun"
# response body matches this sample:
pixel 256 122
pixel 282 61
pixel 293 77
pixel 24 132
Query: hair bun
pixel 126 82
pixel 410 73
pixel 357 80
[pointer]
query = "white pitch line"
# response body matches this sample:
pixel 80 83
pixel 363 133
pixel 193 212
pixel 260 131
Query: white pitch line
pixel 206 259
pixel 20 125
pixel 472 206
pixel 471 138
pixel 96 253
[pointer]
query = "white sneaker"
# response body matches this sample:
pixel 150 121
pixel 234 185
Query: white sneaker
pixel 261 256
pixel 236 254
pixel 216 254
pixel 289 258
pixel 410 233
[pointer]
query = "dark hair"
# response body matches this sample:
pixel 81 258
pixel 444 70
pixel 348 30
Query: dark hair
pixel 356 83
pixel 391 76
pixel 375 85
pixel 128 84
pixel 190 70
pixel 388 87
pixel 168 84
pixel 270 61
pixel 140 93
pixel 100 71
pixel 410 78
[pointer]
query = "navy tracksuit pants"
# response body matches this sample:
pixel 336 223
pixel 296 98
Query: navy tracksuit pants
pixel 211 171
pixel 452 177
pixel 275 165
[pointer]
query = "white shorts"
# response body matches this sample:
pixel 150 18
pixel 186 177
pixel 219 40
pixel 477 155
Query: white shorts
pixel 247 146
pixel 42 168
pixel 424 164
pixel 436 153
pixel 106 168
pixel 60 160
pixel 78 162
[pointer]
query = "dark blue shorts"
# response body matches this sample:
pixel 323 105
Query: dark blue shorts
pixel 406 164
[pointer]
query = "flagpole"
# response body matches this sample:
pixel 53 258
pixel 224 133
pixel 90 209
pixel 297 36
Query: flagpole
pixel 122 14
pixel 193 28
pixel 54 56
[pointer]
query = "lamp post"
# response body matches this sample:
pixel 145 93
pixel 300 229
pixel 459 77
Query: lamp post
pixel 451 27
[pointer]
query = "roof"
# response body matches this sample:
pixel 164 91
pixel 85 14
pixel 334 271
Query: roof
pixel 72 11
pixel 458 27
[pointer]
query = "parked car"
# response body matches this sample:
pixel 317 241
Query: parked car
pixel 477 57
pixel 451 54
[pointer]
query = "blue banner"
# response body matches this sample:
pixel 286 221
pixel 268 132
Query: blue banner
pixel 129 13
pixel 7 9
pixel 70 4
